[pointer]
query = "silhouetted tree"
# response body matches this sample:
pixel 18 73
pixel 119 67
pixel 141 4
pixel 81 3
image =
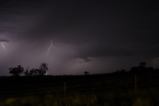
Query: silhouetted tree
pixel 140 68
pixel 42 69
pixel 27 72
pixel 16 71
pixel 86 73
pixel 32 72
pixel 37 72
pixel 142 64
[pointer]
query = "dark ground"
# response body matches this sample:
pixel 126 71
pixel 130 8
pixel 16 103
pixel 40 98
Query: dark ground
pixel 115 89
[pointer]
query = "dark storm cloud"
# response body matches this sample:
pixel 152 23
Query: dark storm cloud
pixel 82 31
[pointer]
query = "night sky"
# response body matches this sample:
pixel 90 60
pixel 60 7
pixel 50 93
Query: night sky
pixel 74 36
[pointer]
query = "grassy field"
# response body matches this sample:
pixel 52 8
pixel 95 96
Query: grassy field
pixel 91 90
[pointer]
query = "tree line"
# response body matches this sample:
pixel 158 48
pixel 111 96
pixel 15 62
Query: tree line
pixel 43 68
pixel 19 70
pixel 141 68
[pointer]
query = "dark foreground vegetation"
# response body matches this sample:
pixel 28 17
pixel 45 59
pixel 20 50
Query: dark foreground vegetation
pixel 137 87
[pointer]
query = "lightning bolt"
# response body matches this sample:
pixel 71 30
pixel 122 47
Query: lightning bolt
pixel 49 48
